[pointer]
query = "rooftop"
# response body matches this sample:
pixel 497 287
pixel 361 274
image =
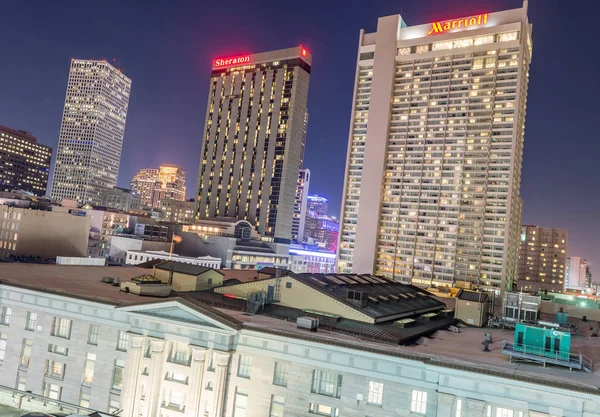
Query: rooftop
pixel 381 298
pixel 73 281
pixel 442 348
pixel 183 268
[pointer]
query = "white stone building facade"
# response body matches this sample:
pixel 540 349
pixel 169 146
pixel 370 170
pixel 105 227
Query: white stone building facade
pixel 171 358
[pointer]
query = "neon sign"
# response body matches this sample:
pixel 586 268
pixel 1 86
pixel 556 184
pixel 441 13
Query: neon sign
pixel 225 62
pixel 441 27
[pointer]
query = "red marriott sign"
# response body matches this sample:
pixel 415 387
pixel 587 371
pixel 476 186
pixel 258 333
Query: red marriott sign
pixel 442 27
pixel 236 60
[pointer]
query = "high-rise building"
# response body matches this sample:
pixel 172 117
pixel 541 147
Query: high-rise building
pixel 177 211
pixel 170 184
pixel 154 185
pixel 143 184
pixel 24 163
pixel 542 259
pixel 432 183
pixel 92 130
pixel 254 138
pixel 577 274
pixel 317 205
pixel 300 205
pixel 322 230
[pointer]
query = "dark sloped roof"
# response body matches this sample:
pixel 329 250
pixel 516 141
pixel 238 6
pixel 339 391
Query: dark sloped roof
pixel 477 297
pixel 387 299
pixel 183 268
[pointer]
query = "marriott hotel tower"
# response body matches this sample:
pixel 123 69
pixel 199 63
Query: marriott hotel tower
pixel 433 172
pixel 254 139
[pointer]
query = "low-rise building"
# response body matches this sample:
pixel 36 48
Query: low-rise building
pixel 177 211
pixel 204 354
pixel 121 199
pixel 235 241
pixel 136 257
pixel 306 259
pixel 121 244
pixel 187 277
pixel 42 234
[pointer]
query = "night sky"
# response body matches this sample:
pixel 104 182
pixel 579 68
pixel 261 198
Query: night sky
pixel 167 51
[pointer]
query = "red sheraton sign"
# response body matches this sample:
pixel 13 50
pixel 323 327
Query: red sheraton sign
pixel 464 23
pixel 236 60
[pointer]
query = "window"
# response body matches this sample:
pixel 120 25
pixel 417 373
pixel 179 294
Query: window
pixel 117 377
pixel 504 412
pixel 93 335
pixel 326 383
pixel 123 341
pixel 174 399
pixel 60 350
pixel 367 55
pixel 61 328
pixel 180 353
pixel 177 377
pixel 21 381
pixel 26 352
pixel 458 408
pixel 3 340
pixel 244 366
pixel 88 370
pixel 240 404
pixel 55 369
pixel 84 399
pixel 31 319
pixel 280 375
pixel 113 406
pixel 419 402
pixel 52 391
pixel 6 315
pixel 323 410
pixel 277 406
pixel 288 285
pixel 375 393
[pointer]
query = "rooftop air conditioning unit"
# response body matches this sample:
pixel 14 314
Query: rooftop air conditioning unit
pixel 307 323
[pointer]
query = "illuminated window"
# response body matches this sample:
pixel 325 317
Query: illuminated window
pixel 90 365
pixel 418 403
pixel 375 393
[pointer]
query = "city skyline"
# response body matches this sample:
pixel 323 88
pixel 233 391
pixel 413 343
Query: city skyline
pixel 546 172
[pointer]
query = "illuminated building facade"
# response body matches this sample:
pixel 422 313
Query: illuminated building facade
pixel 170 184
pixel 177 211
pixel 433 172
pixel 542 259
pixel 92 130
pixel 317 205
pixel 143 184
pixel 254 138
pixel 300 205
pixel 153 185
pixel 24 163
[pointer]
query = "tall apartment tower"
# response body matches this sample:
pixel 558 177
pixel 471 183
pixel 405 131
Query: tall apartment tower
pixel 91 133
pixel 24 163
pixel 433 172
pixel 254 139
pixel 542 259
pixel 300 205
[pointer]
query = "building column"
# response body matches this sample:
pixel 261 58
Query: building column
pixel 222 361
pixel 198 357
pixel 475 408
pixel 444 404
pixel 129 397
pixel 155 377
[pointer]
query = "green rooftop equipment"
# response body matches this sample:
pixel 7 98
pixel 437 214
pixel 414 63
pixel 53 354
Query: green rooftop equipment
pixel 542 341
